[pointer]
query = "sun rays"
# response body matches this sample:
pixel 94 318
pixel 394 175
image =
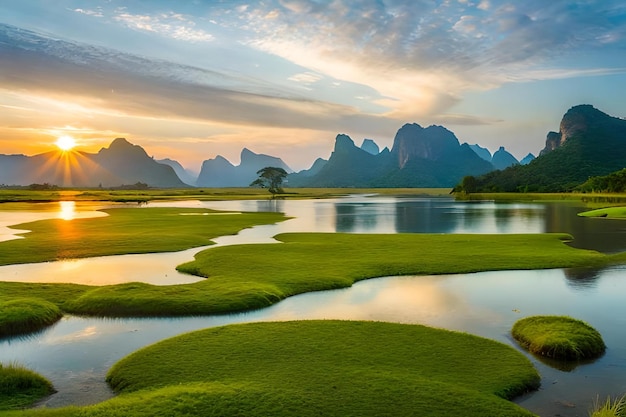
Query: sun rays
pixel 65 143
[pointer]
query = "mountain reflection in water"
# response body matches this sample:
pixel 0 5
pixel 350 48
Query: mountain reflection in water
pixel 77 352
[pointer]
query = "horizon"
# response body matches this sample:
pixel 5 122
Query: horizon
pixel 191 81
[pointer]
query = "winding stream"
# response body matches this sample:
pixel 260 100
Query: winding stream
pixel 76 353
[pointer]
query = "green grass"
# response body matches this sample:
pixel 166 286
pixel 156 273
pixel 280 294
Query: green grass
pixel 330 368
pixel 126 230
pixel 610 408
pixel 590 199
pixel 27 315
pixel 609 212
pixel 20 387
pixel 246 277
pixel 206 194
pixel 558 337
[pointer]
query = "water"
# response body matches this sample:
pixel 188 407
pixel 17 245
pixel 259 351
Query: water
pixel 76 353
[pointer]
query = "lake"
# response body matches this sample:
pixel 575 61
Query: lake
pixel 76 353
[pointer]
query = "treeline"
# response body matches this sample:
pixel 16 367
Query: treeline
pixel 612 183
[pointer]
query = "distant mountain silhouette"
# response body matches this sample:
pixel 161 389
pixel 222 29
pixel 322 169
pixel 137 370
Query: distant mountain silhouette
pixel 315 168
pixel 348 166
pixel 589 143
pixel 502 159
pixel 219 172
pixel 527 159
pixel 420 157
pixel 120 164
pixel 482 152
pixel 186 176
pixel 370 146
pixel 132 164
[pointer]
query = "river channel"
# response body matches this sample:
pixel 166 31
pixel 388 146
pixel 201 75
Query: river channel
pixel 76 353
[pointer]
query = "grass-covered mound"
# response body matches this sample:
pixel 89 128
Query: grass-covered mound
pixel 126 230
pixel 558 337
pixel 610 212
pixel 26 315
pixel 330 368
pixel 20 387
pixel 247 277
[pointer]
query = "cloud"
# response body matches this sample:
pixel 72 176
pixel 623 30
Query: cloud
pixel 88 12
pixel 173 25
pixel 94 81
pixel 307 78
pixel 425 55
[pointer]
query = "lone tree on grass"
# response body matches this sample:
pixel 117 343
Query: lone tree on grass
pixel 270 178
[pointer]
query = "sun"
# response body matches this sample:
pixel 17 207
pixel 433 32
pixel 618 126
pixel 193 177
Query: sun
pixel 65 143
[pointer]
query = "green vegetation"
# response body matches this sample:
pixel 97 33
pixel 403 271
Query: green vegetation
pixel 558 337
pixel 27 315
pixel 206 194
pixel 126 230
pixel 329 368
pixel 593 146
pixel 271 178
pixel 312 368
pixel 610 212
pixel 615 408
pixel 615 182
pixel 247 277
pixel 20 387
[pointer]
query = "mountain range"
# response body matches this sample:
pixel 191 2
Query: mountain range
pixel 589 143
pixel 122 163
pixel 219 172
pixel 420 157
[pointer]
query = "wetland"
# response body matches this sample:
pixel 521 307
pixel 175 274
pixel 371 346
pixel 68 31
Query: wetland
pixel 76 352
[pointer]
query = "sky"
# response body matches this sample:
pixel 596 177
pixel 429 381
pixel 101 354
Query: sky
pixel 190 80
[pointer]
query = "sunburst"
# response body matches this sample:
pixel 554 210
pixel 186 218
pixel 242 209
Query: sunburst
pixel 65 143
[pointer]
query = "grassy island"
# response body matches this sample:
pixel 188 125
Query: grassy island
pixel 558 337
pixel 245 277
pixel 609 212
pixel 20 387
pixel 27 315
pixel 313 368
pixel 330 368
pixel 124 231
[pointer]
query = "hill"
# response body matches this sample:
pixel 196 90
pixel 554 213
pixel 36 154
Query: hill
pixel 219 172
pixel 122 163
pixel 589 143
pixel 420 157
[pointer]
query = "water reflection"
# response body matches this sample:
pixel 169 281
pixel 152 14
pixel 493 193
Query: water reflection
pixel 77 352
pixel 17 213
pixel 67 210
pixel 357 214
pixel 583 279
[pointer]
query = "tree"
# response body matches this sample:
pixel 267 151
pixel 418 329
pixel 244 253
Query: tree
pixel 270 178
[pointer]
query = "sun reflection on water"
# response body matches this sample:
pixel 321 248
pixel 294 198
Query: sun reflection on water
pixel 67 210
